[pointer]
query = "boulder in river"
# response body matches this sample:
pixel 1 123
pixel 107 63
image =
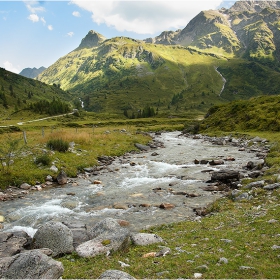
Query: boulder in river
pixel 225 176
pixel 55 236
pixel 33 264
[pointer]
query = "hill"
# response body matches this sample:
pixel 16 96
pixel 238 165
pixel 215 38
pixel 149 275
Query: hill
pixel 18 93
pixel 259 114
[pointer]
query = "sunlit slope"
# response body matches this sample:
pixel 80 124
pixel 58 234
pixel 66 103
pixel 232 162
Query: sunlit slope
pixel 123 73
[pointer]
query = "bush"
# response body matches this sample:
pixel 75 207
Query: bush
pixel 58 145
pixel 43 159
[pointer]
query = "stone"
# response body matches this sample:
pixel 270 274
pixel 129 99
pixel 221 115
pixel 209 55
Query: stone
pixel 163 252
pixel 113 241
pixel 115 274
pixel 258 184
pixel 120 206
pixel 97 182
pixel 275 247
pixel 54 168
pixel 216 162
pixel 166 206
pixel 142 147
pixel 143 239
pixel 225 175
pixel 105 226
pixel 49 178
pixel 2 219
pixel 25 186
pixel 30 265
pixel 243 196
pixel 202 268
pixel 62 178
pixel 223 260
pixel 272 186
pixel 11 244
pixel 55 236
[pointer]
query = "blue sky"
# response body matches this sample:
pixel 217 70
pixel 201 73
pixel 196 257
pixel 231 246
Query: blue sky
pixel 37 33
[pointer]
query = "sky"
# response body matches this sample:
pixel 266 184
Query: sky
pixel 37 33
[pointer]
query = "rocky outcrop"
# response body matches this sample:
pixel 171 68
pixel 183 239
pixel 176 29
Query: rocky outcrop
pixel 92 39
pixel 55 236
pixel 31 264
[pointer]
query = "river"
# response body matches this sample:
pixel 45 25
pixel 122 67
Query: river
pixel 132 189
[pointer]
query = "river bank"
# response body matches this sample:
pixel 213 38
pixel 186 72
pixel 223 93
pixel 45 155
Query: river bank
pixel 172 173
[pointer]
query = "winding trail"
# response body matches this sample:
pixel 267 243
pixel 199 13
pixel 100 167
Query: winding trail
pixel 37 120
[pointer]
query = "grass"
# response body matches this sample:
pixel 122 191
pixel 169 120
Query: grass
pixel 196 244
pixel 89 144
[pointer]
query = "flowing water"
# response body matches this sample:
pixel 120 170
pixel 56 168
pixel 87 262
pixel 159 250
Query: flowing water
pixel 131 190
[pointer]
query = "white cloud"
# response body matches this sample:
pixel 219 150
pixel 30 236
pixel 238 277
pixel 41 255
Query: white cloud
pixel 70 34
pixel 43 20
pixel 145 17
pixel 50 27
pixel 76 14
pixel 33 18
pixel 33 7
pixel 10 67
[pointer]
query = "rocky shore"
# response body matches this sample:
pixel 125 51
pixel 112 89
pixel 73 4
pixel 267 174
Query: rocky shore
pixel 25 257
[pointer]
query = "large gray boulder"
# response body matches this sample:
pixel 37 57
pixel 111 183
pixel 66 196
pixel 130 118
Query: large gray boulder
pixel 105 226
pixel 13 243
pixel 55 236
pixel 30 265
pixel 104 243
pixel 115 274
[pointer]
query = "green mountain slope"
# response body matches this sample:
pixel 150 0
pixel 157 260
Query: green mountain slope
pixel 18 92
pixel 175 73
pixel 125 74
pixel 260 114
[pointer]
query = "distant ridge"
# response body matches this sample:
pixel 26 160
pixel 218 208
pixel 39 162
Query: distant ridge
pixel 32 72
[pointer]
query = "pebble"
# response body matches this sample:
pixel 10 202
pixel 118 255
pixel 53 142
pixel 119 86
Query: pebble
pixel 197 275
pixel 226 240
pixel 275 247
pixel 242 267
pixel 223 260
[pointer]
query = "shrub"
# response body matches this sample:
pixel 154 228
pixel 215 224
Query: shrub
pixel 44 159
pixel 58 145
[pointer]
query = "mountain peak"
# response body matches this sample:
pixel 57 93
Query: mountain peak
pixel 254 6
pixel 92 39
